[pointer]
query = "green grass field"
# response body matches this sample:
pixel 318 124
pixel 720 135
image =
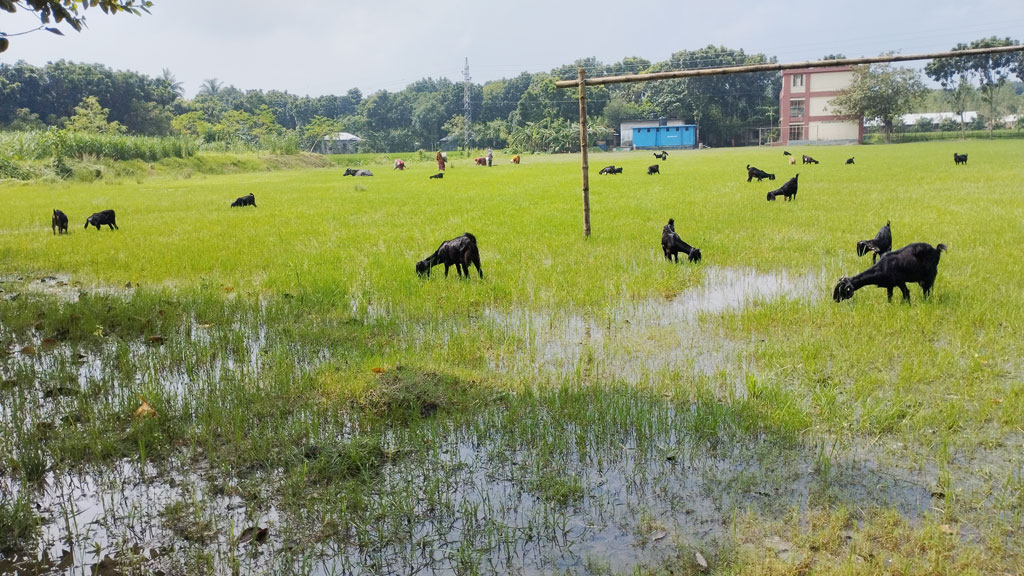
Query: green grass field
pixel 585 408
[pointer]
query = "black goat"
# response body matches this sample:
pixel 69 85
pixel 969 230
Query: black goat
pixel 610 170
pixel 960 158
pixel 672 244
pixel 59 222
pixel 878 246
pixel 247 200
pixel 808 160
pixel 917 262
pixel 354 172
pixel 439 175
pixel 753 172
pixel 786 153
pixel 663 156
pixel 102 218
pixel 849 160
pixel 653 169
pixel 461 252
pixel 788 190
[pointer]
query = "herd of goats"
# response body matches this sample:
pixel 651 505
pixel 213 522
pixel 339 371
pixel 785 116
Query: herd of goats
pixel 914 263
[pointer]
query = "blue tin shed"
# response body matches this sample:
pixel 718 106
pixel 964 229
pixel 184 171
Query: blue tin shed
pixel 665 137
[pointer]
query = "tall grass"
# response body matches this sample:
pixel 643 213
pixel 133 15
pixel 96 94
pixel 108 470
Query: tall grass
pixel 43 145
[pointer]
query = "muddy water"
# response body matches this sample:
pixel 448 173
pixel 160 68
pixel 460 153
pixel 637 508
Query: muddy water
pixel 477 499
pixel 633 341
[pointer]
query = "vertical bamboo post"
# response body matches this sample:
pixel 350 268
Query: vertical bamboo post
pixel 583 152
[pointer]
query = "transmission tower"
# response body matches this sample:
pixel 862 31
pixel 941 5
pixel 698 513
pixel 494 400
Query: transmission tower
pixel 467 104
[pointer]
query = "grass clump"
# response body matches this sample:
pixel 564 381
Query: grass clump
pixel 20 525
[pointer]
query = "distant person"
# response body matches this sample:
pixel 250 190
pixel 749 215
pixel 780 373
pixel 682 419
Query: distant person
pixel 440 161
pixel 490 157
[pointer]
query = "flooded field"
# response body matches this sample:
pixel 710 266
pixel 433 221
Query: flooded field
pixel 275 391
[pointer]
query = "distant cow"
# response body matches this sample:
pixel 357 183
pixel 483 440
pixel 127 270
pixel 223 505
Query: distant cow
pixel 849 160
pixel 439 175
pixel 59 222
pixel 354 172
pixel 753 172
pixel 460 252
pixel 653 169
pixel 663 156
pixel 399 164
pixel 515 159
pixel 808 160
pixel 103 218
pixel 481 161
pixel 247 200
pixel 610 170
pixel 960 158
pixel 786 153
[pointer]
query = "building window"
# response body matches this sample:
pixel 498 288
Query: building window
pixel 796 132
pixel 796 108
pixel 798 80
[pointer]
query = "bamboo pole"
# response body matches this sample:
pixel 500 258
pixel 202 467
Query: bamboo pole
pixel 773 67
pixel 583 150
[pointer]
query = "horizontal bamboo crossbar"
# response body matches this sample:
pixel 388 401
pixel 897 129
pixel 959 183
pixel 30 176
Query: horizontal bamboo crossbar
pixel 772 67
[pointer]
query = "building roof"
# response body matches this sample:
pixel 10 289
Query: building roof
pixel 342 137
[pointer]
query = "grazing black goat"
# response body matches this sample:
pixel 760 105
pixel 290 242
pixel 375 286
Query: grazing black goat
pixel 354 172
pixel 960 158
pixel 917 262
pixel 102 218
pixel 808 160
pixel 461 252
pixel 663 156
pixel 59 222
pixel 786 153
pixel 758 173
pixel 439 175
pixel 610 170
pixel 788 190
pixel 849 160
pixel 672 244
pixel 878 246
pixel 247 200
pixel 653 169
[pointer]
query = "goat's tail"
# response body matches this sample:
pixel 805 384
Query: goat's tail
pixel 941 247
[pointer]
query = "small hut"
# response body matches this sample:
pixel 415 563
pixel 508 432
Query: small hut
pixel 339 143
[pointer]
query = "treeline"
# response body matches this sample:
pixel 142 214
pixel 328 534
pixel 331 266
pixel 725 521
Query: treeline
pixel 526 112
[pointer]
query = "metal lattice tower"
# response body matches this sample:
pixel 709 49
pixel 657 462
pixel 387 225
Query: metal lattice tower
pixel 467 104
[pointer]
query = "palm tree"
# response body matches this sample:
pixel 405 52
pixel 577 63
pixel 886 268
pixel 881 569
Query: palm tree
pixel 211 86
pixel 176 87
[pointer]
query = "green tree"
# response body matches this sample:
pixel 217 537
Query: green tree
pixel 66 11
pixel 91 117
pixel 172 83
pixel 24 120
pixel 880 92
pixel 210 87
pixel 990 71
pixel 313 132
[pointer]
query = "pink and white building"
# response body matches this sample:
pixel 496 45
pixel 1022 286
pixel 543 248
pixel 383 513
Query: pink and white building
pixel 804 106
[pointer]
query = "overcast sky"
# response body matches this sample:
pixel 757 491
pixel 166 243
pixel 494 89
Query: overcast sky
pixel 320 47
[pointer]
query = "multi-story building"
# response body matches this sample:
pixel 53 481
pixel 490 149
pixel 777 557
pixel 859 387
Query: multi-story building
pixel 804 107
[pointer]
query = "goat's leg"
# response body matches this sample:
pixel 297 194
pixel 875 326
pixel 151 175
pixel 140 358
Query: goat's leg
pixel 476 262
pixel 905 291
